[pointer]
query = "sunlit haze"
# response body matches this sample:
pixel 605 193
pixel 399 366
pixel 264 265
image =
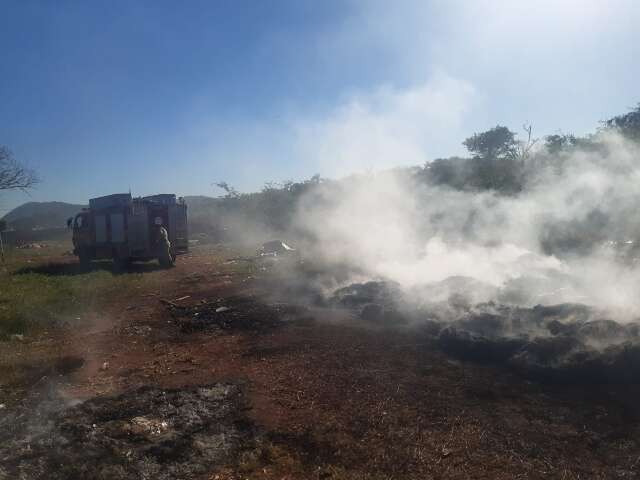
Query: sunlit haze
pixel 161 96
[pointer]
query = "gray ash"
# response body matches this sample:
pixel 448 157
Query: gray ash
pixel 147 433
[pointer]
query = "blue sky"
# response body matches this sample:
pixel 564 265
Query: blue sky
pixel 165 96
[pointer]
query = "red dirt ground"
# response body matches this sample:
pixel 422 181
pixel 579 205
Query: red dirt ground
pixel 340 400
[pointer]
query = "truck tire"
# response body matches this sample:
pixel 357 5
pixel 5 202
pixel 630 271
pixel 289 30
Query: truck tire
pixel 120 264
pixel 166 259
pixel 85 259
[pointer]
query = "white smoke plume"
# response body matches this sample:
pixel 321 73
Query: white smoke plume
pixel 560 240
pixel 386 126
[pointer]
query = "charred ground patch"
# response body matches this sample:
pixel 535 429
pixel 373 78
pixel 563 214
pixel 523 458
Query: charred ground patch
pixel 349 402
pixel 566 343
pixel 146 433
pixel 552 344
pixel 239 313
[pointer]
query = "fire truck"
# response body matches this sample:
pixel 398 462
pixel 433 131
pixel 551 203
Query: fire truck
pixel 125 229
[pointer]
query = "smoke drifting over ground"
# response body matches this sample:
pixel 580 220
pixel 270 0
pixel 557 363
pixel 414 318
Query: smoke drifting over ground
pixel 565 238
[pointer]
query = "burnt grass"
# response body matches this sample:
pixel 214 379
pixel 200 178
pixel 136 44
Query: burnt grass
pixel 387 400
pixel 146 433
pixel 240 313
pixel 371 404
pixel 497 392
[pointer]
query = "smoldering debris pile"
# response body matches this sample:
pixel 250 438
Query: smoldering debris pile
pixel 148 433
pixel 376 301
pixel 564 342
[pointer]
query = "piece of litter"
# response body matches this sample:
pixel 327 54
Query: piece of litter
pixel 222 309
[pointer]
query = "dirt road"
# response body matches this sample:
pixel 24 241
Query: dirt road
pixel 322 396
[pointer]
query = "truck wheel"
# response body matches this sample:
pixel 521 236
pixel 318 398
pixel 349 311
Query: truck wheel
pixel 84 259
pixel 166 260
pixel 120 264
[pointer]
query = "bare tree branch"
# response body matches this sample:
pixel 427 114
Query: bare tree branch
pixel 13 175
pixel 231 192
pixel 524 147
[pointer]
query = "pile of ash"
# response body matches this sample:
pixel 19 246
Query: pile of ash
pixel 359 294
pixel 148 433
pixel 568 342
pixel 233 314
pixel 387 303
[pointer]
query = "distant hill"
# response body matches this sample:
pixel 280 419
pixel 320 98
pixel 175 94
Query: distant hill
pixel 41 215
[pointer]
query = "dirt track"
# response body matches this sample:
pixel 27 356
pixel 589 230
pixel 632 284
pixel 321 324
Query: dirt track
pixel 330 398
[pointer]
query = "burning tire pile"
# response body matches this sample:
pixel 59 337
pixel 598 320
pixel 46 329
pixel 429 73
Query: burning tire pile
pixel 148 433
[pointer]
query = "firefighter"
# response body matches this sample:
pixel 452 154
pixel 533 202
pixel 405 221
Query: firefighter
pixel 163 244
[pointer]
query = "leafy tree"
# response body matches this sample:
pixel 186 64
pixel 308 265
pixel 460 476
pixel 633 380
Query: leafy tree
pixel 627 124
pixel 495 154
pixel 453 171
pixel 559 142
pixel 3 225
pixel 13 175
pixel 496 143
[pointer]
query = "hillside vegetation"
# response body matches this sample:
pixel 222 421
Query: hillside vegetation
pixel 40 215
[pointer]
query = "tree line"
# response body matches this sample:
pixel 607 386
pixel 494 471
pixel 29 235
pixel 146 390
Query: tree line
pixel 499 160
pixel 503 163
